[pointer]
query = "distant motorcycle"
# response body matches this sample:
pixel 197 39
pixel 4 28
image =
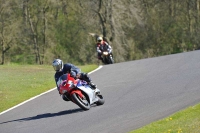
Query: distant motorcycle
pixel 79 92
pixel 107 57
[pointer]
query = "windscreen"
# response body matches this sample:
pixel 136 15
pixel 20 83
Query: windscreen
pixel 61 79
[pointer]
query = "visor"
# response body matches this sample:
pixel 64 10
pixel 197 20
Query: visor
pixel 56 68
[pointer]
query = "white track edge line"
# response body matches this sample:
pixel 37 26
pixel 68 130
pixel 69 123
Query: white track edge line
pixel 39 95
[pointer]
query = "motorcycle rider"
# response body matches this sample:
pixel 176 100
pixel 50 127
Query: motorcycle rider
pixel 102 46
pixel 74 71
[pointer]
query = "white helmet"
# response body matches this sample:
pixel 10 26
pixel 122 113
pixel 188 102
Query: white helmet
pixel 57 65
pixel 99 39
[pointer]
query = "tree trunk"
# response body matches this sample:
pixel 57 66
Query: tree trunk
pixel 25 17
pixel 44 35
pixel 2 53
pixel 4 50
pixel 35 40
pixel 112 23
pixel 102 19
pixel 171 8
pixel 189 17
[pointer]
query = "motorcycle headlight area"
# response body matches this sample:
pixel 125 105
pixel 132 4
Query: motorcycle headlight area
pixel 71 84
pixel 64 91
pixel 105 53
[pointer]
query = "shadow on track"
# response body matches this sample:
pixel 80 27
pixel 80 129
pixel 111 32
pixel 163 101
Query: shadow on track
pixel 47 115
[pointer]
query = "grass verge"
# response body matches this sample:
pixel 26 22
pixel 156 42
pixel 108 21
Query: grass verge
pixel 21 82
pixel 185 121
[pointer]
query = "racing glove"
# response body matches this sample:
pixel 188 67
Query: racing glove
pixel 73 74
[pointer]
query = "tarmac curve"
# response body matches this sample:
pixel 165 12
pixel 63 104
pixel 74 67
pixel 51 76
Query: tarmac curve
pixel 136 93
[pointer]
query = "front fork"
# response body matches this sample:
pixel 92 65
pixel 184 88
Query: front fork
pixel 77 92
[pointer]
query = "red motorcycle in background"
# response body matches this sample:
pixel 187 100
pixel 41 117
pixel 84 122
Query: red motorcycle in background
pixel 79 92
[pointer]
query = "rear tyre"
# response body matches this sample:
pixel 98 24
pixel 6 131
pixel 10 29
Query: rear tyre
pixel 81 102
pixel 101 100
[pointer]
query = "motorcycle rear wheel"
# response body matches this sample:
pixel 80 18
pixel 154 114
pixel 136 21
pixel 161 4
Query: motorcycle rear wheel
pixel 101 100
pixel 81 102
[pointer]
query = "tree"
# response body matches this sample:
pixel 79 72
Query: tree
pixel 8 27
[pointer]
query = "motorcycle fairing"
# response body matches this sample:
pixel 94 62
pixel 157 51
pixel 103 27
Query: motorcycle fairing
pixel 91 93
pixel 77 92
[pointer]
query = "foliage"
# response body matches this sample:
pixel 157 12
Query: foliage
pixel 36 32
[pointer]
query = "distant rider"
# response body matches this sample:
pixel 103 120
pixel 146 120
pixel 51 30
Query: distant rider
pixel 102 46
pixel 74 71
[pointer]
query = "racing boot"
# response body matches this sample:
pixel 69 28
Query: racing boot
pixel 93 86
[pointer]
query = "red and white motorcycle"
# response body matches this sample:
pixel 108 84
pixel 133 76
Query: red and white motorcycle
pixel 79 92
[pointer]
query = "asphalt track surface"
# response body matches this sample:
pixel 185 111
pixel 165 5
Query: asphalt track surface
pixel 136 93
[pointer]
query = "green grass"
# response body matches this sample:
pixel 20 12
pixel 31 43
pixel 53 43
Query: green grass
pixel 185 121
pixel 21 82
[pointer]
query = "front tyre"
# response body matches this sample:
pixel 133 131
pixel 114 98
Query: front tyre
pixel 111 60
pixel 81 102
pixel 64 97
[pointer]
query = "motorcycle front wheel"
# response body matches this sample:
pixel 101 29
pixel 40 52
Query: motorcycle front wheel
pixel 81 102
pixel 110 59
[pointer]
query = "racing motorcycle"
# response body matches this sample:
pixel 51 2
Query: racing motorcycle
pixel 79 92
pixel 107 57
